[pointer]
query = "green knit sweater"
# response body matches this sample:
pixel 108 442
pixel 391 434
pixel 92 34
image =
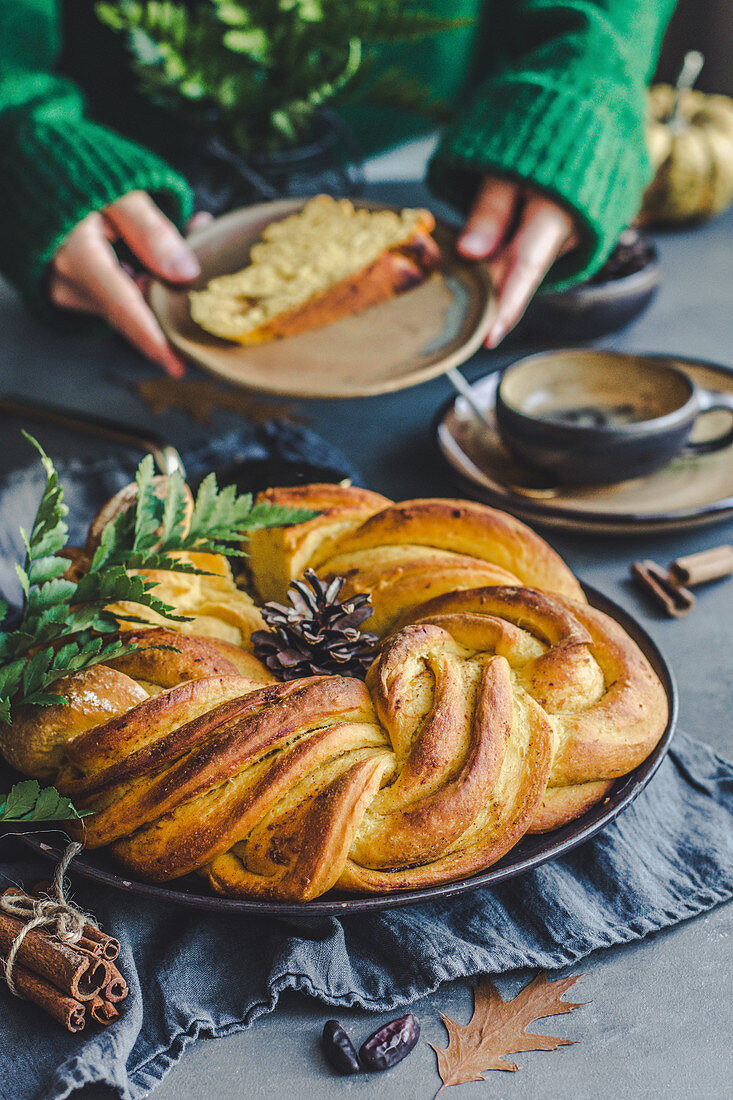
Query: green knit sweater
pixel 547 91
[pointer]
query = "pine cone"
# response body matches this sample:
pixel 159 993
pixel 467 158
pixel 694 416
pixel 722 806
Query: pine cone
pixel 318 635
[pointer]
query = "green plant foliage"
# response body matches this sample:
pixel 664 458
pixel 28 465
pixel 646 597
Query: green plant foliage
pixel 261 70
pixel 28 801
pixel 63 623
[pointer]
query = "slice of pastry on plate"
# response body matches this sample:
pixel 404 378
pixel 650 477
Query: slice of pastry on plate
pixel 328 261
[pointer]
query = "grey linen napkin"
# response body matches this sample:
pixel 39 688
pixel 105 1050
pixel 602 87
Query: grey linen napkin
pixel 668 857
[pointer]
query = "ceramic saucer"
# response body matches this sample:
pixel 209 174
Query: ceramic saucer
pixel 693 489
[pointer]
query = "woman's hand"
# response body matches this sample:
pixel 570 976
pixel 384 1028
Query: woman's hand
pixel 87 276
pixel 521 233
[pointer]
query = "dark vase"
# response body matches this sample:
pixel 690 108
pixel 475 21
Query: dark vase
pixel 331 162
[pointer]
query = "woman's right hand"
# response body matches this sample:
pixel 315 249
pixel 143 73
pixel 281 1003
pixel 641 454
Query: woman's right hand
pixel 520 233
pixel 86 275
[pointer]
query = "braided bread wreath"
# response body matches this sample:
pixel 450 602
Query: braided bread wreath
pixel 499 703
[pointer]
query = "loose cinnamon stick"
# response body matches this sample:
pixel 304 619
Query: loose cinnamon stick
pixel 675 600
pixel 706 565
pixel 76 973
pixel 67 1010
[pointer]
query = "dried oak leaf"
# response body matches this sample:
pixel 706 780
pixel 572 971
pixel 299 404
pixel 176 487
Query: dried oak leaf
pixel 498 1027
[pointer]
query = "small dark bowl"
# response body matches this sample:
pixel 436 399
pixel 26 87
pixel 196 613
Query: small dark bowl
pixel 594 309
pixel 598 417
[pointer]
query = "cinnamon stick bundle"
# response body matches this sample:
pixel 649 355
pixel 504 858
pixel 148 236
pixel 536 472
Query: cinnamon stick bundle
pixel 73 984
pixel 77 973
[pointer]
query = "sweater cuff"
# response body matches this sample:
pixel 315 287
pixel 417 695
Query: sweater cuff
pixel 54 176
pixel 585 152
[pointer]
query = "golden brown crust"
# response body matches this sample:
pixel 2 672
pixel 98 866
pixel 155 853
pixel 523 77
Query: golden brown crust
pixel 626 723
pixel 501 709
pixel 231 746
pixel 245 663
pixel 120 738
pixel 320 834
pixel 403 553
pixel 607 706
pixel 459 526
pixel 166 658
pixel 430 804
pixel 504 818
pixel 491 709
pixel 399 577
pixel 235 807
pixel 34 743
pixel 431 771
pixel 561 805
pixel 327 498
pixel 392 273
pixel 276 554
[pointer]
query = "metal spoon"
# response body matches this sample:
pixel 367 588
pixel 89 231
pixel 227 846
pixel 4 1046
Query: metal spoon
pixel 167 458
pixel 463 387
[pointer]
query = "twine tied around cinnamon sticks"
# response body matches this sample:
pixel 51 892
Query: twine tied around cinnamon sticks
pixel 55 955
pixel 54 912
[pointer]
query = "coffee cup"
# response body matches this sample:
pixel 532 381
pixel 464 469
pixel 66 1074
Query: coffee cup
pixel 598 417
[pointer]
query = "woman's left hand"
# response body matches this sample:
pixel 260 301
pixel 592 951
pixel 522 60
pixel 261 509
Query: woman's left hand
pixel 521 233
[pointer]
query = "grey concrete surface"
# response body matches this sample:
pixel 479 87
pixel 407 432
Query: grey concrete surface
pixel 658 1024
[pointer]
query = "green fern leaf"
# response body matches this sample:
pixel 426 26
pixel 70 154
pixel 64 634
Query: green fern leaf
pixel 46 569
pixel 64 624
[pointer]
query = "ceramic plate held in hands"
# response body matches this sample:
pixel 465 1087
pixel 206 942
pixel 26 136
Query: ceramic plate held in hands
pixel 408 339
pixel 529 853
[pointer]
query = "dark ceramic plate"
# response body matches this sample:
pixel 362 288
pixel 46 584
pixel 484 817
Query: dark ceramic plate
pixel 529 853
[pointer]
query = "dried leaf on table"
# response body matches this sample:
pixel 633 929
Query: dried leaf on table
pixel 200 398
pixel 497 1028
